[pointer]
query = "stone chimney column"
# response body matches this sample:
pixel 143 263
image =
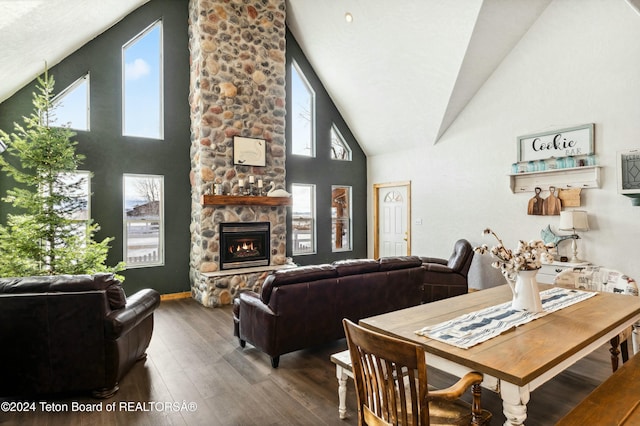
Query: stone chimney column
pixel 237 88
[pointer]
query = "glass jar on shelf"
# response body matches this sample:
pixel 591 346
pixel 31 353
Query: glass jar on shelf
pixel 515 168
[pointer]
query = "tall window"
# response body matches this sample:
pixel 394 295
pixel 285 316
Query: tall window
pixel 72 105
pixel 143 220
pixel 303 218
pixel 74 187
pixel 341 218
pixel 77 186
pixel 339 148
pixel 142 108
pixel 303 100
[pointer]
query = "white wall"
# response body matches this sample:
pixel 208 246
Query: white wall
pixel 579 63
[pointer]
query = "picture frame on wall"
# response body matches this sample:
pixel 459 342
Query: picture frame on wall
pixel 249 151
pixel 572 141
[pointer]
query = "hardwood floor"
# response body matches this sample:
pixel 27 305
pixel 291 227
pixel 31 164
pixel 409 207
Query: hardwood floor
pixel 194 358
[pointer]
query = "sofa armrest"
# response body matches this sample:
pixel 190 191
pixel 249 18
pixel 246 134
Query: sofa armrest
pixel 257 323
pixel 248 295
pixel 434 260
pixel 251 301
pixel 138 307
pixel 437 267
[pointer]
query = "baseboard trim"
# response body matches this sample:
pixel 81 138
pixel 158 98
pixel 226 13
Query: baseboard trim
pixel 174 296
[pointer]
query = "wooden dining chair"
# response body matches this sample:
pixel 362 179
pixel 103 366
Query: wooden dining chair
pixel 391 385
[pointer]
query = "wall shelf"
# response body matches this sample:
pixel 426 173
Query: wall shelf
pixel 228 200
pixel 571 178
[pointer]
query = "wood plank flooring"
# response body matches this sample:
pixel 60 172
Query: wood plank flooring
pixel 194 358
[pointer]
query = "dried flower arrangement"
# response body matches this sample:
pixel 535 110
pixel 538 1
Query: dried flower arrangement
pixel 527 256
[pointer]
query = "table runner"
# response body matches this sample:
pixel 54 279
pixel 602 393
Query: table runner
pixel 470 329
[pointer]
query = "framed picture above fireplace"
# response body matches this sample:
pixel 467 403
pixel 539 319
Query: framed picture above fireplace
pixel 249 151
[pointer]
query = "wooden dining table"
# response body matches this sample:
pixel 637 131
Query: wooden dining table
pixel 521 359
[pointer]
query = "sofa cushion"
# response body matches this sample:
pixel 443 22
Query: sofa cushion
pixel 399 262
pixel 46 284
pixel 67 283
pixel 294 276
pixel 355 266
pixel 436 267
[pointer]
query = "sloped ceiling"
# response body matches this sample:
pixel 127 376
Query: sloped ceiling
pixel 33 32
pixel 400 73
pixel 635 4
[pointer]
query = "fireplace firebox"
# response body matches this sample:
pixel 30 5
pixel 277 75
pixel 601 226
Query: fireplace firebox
pixel 244 244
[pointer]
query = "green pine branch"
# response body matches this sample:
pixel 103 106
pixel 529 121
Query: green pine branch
pixel 44 239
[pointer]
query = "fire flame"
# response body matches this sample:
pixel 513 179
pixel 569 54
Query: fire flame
pixel 243 247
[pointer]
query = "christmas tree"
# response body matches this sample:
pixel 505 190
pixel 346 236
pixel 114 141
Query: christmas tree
pixel 49 236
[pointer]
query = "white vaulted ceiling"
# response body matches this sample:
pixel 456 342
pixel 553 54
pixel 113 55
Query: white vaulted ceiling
pixel 400 73
pixel 33 32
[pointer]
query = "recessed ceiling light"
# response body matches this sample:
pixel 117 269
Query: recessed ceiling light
pixel 348 17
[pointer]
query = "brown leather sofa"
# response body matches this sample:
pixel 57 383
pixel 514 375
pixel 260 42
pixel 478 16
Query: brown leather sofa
pixel 444 278
pixel 304 307
pixel 71 333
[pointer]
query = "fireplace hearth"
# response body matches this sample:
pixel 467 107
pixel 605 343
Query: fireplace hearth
pixel 244 244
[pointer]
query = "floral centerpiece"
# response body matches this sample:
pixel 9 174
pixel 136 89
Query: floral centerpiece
pixel 527 257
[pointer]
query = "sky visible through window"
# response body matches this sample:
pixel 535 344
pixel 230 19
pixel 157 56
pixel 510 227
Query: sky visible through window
pixel 143 86
pixel 339 148
pixel 301 114
pixel 71 106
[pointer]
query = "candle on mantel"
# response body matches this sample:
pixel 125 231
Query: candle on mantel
pixel 241 183
pixel 260 183
pixel 252 179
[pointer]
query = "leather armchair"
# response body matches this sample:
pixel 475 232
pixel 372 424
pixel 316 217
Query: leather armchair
pixel 445 278
pixel 71 333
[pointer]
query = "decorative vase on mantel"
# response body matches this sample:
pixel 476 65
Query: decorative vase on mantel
pixel 526 295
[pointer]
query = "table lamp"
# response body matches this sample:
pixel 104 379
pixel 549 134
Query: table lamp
pixel 574 220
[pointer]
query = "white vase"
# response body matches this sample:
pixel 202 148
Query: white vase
pixel 526 295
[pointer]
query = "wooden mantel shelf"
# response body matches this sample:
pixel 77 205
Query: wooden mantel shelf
pixel 227 200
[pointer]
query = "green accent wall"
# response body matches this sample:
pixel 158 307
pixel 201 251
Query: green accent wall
pixel 109 154
pixel 324 172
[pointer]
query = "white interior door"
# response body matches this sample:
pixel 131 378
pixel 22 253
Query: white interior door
pixel 392 220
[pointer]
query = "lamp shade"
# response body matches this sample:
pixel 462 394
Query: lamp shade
pixel 574 220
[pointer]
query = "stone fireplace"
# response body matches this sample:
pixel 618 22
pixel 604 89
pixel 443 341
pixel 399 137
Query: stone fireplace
pixel 237 88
